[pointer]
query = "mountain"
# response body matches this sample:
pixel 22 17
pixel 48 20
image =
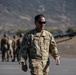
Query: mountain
pixel 15 14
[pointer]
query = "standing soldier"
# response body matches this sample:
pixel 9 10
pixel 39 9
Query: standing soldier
pixel 10 49
pixel 14 45
pixel 4 48
pixel 38 44
pixel 19 44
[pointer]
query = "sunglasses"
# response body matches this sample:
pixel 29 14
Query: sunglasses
pixel 42 22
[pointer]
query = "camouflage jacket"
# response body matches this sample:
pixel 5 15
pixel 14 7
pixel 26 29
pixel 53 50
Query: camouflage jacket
pixel 4 43
pixel 38 45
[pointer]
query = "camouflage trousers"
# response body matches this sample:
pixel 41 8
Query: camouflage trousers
pixel 4 54
pixel 39 67
pixel 10 54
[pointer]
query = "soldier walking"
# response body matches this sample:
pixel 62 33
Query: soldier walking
pixel 37 45
pixel 4 48
pixel 19 44
pixel 10 49
pixel 14 45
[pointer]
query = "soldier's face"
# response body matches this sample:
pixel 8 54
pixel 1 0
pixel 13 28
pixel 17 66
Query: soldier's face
pixel 40 25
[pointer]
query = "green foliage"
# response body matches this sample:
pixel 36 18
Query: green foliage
pixel 74 30
pixel 21 31
pixel 71 30
pixel 52 30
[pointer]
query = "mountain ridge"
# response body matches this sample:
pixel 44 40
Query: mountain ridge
pixel 17 14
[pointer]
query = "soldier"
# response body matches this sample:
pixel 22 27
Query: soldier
pixel 18 44
pixel 38 44
pixel 4 48
pixel 14 45
pixel 10 49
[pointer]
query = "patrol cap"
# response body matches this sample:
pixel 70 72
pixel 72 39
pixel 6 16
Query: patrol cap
pixel 21 34
pixel 5 35
pixel 14 36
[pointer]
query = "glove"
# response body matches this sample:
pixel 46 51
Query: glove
pixel 24 68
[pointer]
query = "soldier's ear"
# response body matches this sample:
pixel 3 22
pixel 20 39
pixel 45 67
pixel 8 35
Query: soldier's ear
pixel 35 22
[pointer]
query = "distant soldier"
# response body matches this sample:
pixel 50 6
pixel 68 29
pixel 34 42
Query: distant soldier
pixel 37 46
pixel 10 49
pixel 19 44
pixel 14 45
pixel 4 48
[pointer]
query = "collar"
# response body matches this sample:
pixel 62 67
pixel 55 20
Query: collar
pixel 42 33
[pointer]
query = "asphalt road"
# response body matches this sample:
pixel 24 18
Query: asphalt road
pixel 67 67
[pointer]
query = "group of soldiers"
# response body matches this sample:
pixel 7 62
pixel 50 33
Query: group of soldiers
pixel 10 47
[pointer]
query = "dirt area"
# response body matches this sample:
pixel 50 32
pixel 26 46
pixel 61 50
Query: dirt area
pixel 67 46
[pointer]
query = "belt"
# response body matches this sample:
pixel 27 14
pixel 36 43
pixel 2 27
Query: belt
pixel 35 57
pixel 39 58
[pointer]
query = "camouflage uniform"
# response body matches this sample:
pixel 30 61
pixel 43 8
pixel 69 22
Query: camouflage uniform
pixel 14 45
pixel 18 45
pixel 38 46
pixel 10 49
pixel 4 48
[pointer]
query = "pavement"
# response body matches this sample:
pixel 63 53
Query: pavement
pixel 67 67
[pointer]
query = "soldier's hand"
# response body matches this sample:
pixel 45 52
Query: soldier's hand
pixel 24 68
pixel 57 59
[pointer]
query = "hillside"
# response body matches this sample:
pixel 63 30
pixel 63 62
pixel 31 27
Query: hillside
pixel 16 14
pixel 67 47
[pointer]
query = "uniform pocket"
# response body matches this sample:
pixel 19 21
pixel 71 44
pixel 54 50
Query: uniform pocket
pixel 47 42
